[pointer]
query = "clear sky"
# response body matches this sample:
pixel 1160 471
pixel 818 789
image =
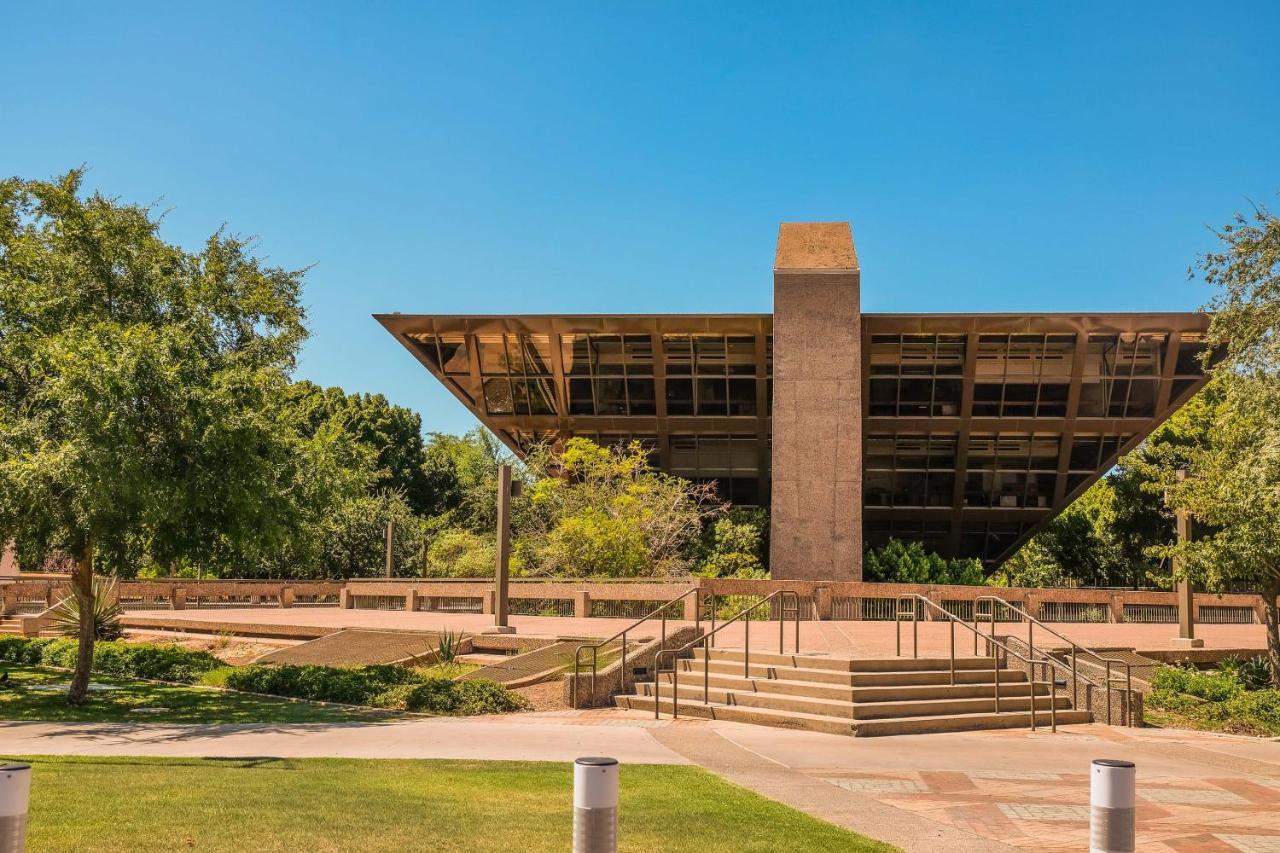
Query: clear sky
pixel 608 157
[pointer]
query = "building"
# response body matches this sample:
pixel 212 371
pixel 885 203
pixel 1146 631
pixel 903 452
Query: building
pixel 963 431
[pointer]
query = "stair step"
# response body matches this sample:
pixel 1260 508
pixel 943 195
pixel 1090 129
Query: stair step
pixel 850 693
pixel 847 709
pixel 858 728
pixel 848 678
pixel 812 662
pixel 741 714
pixel 964 722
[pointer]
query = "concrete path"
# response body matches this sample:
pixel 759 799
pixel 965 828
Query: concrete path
pixel 975 791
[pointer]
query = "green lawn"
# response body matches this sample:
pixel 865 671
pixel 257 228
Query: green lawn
pixel 105 804
pixel 34 693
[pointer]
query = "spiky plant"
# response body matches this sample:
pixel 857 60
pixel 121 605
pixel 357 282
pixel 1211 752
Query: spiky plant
pixel 450 644
pixel 106 612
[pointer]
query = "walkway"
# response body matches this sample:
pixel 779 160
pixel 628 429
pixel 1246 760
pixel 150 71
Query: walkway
pixel 852 639
pixel 974 791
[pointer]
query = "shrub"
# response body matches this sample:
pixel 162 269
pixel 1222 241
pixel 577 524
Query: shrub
pixel 444 696
pixel 381 686
pixel 106 612
pixel 125 660
pixel 1215 687
pixel 1251 673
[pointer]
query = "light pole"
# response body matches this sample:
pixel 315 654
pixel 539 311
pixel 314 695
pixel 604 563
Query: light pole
pixel 1185 596
pixel 506 491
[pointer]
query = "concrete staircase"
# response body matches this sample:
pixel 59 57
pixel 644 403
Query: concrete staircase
pixel 11 625
pixel 863 698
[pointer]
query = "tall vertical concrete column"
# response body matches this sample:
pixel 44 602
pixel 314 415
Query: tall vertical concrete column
pixel 816 514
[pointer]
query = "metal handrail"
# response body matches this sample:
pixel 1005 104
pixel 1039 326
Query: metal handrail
pixel 709 639
pixel 1107 662
pixel 595 649
pixel 991 641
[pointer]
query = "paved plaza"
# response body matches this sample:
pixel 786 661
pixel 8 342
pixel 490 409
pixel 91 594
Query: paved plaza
pixel 847 639
pixel 976 791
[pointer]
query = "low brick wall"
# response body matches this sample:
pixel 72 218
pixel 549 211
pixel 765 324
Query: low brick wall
pixel 1084 696
pixel 608 681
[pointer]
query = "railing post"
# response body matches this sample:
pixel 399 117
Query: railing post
pixel 953 651
pixel 746 645
pixel 1108 687
pixel 662 645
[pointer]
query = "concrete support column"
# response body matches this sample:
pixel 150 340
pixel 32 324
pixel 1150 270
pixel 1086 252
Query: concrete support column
pixel 178 598
pixel 691 608
pixel 823 597
pixel 582 604
pixel 411 600
pixel 287 596
pixel 344 599
pixel 1117 608
pixel 816 515
pixel 488 602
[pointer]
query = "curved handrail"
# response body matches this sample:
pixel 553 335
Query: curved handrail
pixel 1075 649
pixel 991 640
pixel 595 648
pixel 709 639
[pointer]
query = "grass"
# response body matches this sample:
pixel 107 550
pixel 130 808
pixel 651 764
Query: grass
pixel 123 804
pixel 35 693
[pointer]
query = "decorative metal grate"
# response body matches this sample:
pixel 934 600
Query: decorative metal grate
pixel 379 602
pixel 1220 614
pixel 1074 611
pixel 446 604
pixel 618 609
pixel 542 606
pixel 315 601
pixel 1151 613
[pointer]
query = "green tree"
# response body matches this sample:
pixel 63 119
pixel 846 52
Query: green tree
pixel 909 562
pixel 1232 482
pixel 595 511
pixel 461 473
pixel 140 391
pixel 393 434
pixel 736 549
pixel 461 553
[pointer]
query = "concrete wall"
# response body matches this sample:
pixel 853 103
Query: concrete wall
pixel 816 507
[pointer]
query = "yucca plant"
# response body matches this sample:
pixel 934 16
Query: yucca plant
pixel 106 612
pixel 450 644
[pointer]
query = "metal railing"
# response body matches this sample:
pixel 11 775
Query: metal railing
pixel 709 639
pixel 1109 685
pixel 660 613
pixel 912 610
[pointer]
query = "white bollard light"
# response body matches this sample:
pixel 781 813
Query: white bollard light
pixel 1112 794
pixel 595 805
pixel 15 792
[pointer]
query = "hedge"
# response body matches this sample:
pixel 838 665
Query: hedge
pixel 112 657
pixel 392 687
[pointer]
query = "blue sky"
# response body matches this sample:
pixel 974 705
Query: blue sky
pixel 609 157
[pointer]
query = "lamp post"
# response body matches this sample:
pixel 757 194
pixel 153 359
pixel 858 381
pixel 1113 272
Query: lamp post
pixel 506 491
pixel 1185 596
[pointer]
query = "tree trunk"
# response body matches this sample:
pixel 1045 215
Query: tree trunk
pixel 82 583
pixel 1269 595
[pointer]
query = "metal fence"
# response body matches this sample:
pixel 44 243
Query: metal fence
pixel 617 609
pixel 443 604
pixel 155 602
pixel 542 607
pixel 1151 613
pixel 381 602
pixel 316 601
pixel 1217 614
pixel 1074 611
